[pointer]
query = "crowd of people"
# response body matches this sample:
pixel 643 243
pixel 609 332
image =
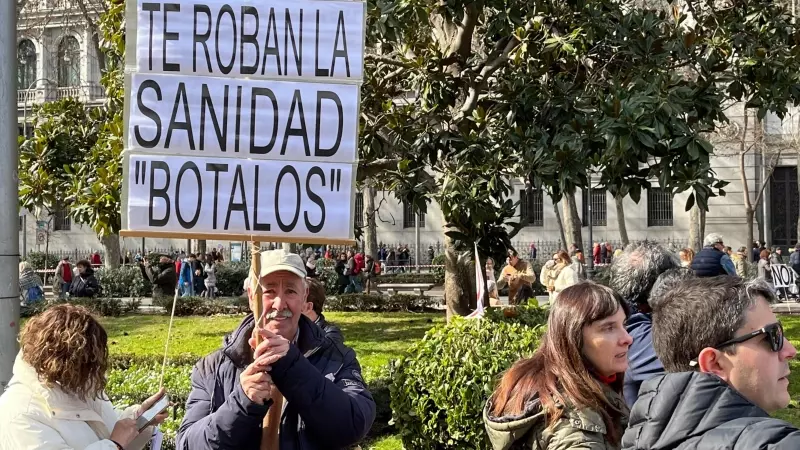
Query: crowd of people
pixel 664 357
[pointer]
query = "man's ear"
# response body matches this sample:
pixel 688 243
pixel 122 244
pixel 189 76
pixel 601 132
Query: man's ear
pixel 714 361
pixel 307 307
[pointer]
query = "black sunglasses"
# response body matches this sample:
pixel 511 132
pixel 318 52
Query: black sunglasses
pixel 775 337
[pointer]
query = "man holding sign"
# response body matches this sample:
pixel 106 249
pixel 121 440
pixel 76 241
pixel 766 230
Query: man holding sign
pixel 327 404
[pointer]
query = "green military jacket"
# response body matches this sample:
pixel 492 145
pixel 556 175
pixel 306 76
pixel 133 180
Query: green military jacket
pixel 576 429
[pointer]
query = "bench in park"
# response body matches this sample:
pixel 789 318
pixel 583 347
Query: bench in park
pixel 417 288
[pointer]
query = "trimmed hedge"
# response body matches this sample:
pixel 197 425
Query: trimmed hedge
pixel 124 281
pixel 200 306
pixel 37 259
pixel 440 386
pixel 379 303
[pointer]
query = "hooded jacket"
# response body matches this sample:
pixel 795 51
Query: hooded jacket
pixel 577 428
pixel 643 363
pixel 327 404
pixel 85 284
pixel 699 411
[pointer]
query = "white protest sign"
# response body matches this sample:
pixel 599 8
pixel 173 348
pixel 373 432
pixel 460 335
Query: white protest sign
pixel 224 196
pixel 782 275
pixel 260 119
pixel 277 38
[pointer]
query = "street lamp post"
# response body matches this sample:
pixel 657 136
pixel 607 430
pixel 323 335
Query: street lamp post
pixel 590 264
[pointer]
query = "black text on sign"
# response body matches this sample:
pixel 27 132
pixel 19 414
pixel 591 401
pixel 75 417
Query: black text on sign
pixel 246 197
pixel 273 39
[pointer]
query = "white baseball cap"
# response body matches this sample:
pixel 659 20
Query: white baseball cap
pixel 279 261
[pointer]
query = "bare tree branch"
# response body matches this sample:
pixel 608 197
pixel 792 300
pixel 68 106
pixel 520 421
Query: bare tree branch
pixel 462 46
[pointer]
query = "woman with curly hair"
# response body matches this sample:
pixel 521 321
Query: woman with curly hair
pixel 568 395
pixel 56 398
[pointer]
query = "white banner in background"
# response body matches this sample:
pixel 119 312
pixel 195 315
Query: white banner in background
pixel 259 119
pixel 278 38
pixel 782 275
pixel 245 197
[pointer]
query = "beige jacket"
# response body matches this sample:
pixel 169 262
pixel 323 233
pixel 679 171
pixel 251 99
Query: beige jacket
pixel 36 417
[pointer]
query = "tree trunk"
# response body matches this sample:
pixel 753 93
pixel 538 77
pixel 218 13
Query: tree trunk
pixel 798 186
pixel 572 222
pixel 695 231
pixel 457 284
pixel 200 246
pixel 111 246
pixel 623 229
pixel 750 216
pixel 371 232
pixel 560 227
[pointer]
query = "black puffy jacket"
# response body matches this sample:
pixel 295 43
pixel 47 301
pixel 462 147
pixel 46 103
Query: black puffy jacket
pixel 699 411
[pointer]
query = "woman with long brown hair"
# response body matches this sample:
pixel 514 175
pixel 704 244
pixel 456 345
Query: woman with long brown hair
pixel 569 393
pixel 56 398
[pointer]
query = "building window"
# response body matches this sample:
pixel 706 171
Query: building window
pixel 659 207
pixel 409 219
pixel 69 62
pixel 359 210
pixel 61 220
pixel 531 207
pixel 599 207
pixel 26 64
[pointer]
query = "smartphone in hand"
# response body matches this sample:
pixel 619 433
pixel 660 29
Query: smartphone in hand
pixel 148 416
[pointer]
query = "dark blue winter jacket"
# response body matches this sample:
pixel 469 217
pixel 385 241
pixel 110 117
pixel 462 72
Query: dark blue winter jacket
pixel 709 263
pixel 643 363
pixel 327 405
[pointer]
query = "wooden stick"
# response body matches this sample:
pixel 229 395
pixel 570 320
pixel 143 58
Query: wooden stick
pixel 255 285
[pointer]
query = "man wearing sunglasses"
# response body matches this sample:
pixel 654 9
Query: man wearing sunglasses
pixel 728 369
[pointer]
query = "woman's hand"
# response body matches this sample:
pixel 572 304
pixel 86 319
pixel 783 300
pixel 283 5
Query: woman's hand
pixel 147 404
pixel 125 431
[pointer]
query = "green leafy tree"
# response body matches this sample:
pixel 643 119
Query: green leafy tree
pixel 96 184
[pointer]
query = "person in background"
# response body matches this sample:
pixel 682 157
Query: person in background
pixel 382 253
pixel 96 261
pixel 533 252
pixel 210 269
pixel 85 284
pixel 609 252
pixel 578 261
pixel 776 258
pixel 314 307
pixel 311 266
pixel 764 272
pixel 561 275
pixel 740 262
pixel 341 272
pixel 127 259
pixel 712 259
pixel 369 272
pixel 199 275
pixel 431 254
pixel 515 274
pixel 756 251
pixel 235 389
pixel 728 369
pixel 596 253
pixel 568 395
pixel 353 282
pixel 186 277
pixel 163 277
pixel 360 263
pixel 63 277
pixel 603 253
pixel 633 276
pixel 30 284
pixel 686 256
pixel 56 398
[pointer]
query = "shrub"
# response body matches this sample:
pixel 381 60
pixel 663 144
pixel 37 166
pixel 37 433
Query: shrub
pixel 377 302
pixel 124 281
pixel 411 278
pixel 532 316
pixel 230 278
pixel 326 272
pixel 184 306
pixel 438 272
pixel 37 259
pixel 200 306
pixel 440 386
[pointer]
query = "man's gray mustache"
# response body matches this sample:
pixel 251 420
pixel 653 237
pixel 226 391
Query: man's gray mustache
pixel 274 314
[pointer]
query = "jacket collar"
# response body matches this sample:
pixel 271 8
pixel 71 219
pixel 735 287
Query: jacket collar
pixel 236 345
pixel 59 404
